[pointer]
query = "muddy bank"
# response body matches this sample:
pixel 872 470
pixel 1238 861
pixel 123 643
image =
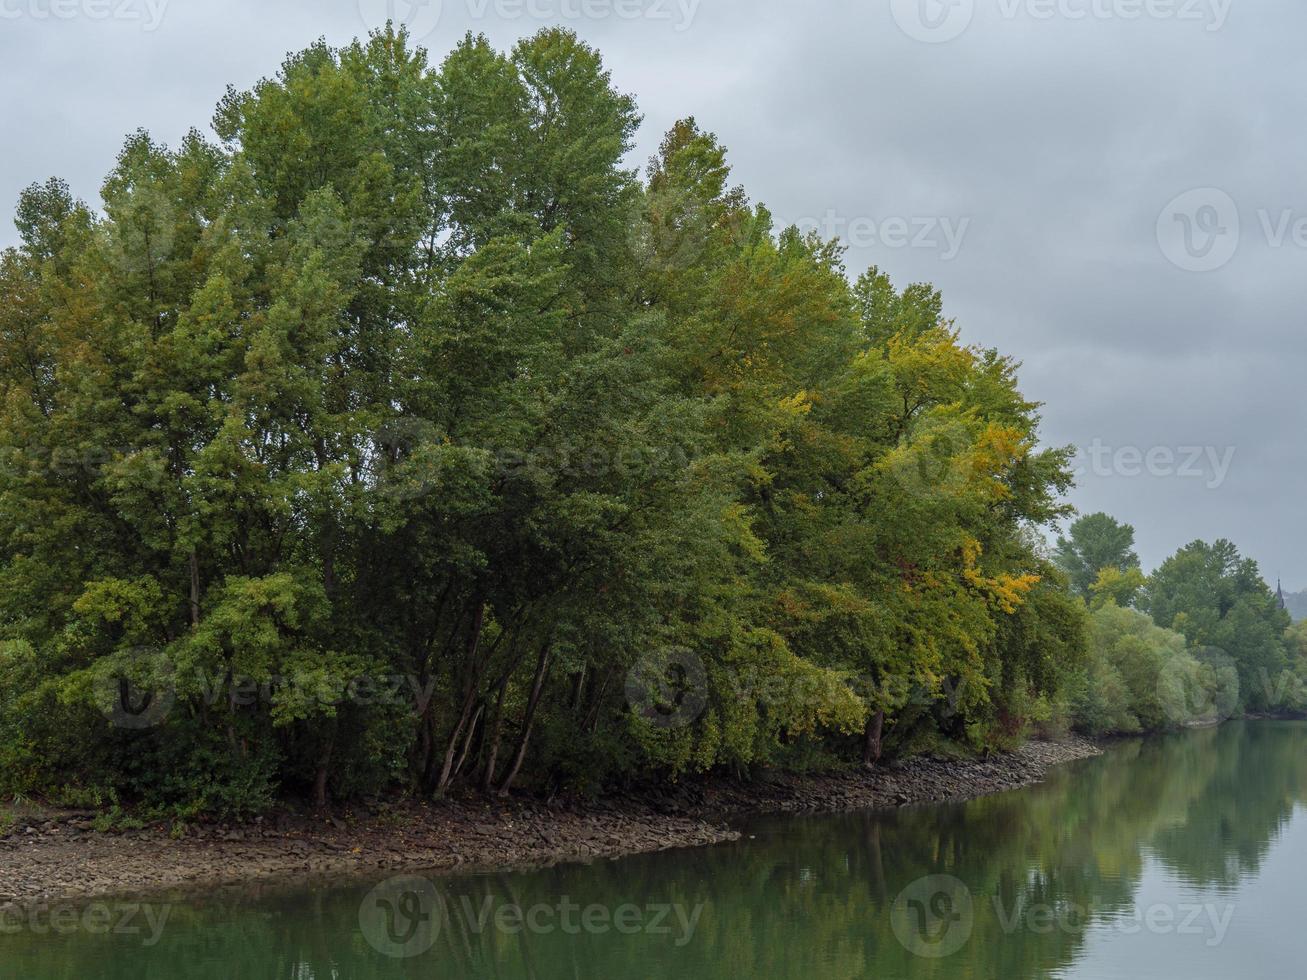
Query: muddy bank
pixel 49 856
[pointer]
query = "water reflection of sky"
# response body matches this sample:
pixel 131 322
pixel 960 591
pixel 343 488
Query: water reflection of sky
pixel 1266 936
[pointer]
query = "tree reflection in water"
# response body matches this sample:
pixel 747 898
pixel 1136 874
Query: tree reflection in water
pixel 804 897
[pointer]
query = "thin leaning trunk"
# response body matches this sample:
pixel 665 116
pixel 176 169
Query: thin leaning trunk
pixel 469 701
pixel 542 669
pixel 578 688
pixel 322 776
pixel 425 742
pixel 451 747
pixel 467 742
pixel 488 778
pixel 600 692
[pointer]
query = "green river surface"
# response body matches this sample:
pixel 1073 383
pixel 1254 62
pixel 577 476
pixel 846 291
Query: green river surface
pixel 1183 856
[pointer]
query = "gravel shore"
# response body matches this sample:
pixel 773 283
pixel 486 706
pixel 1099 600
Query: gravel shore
pixel 50 856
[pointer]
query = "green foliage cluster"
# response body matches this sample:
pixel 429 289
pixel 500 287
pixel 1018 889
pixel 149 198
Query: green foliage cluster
pixel 1209 640
pixel 1098 546
pixel 1218 601
pixel 392 438
pixel 1139 677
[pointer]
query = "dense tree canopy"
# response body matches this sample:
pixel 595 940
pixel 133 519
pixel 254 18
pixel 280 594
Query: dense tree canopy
pixel 403 437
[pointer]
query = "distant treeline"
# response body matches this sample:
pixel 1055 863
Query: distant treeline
pixel 401 438
pixel 1201 640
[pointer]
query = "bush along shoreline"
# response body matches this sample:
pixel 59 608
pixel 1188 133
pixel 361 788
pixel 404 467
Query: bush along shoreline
pixel 397 439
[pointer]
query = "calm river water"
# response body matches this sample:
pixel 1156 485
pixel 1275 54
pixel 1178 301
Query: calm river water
pixel 1179 857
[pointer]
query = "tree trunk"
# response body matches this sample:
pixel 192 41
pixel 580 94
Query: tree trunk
pixel 195 589
pixel 451 747
pixel 467 742
pixel 488 778
pixel 323 774
pixel 542 669
pixel 871 747
pixel 599 691
pixel 425 742
pixel 578 688
pixel 474 641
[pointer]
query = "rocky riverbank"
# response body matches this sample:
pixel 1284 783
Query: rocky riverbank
pixel 50 856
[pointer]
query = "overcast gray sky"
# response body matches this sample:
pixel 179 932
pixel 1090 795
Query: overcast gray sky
pixel 1110 190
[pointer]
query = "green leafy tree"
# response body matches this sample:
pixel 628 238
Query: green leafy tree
pixel 1095 544
pixel 407 376
pixel 1218 599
